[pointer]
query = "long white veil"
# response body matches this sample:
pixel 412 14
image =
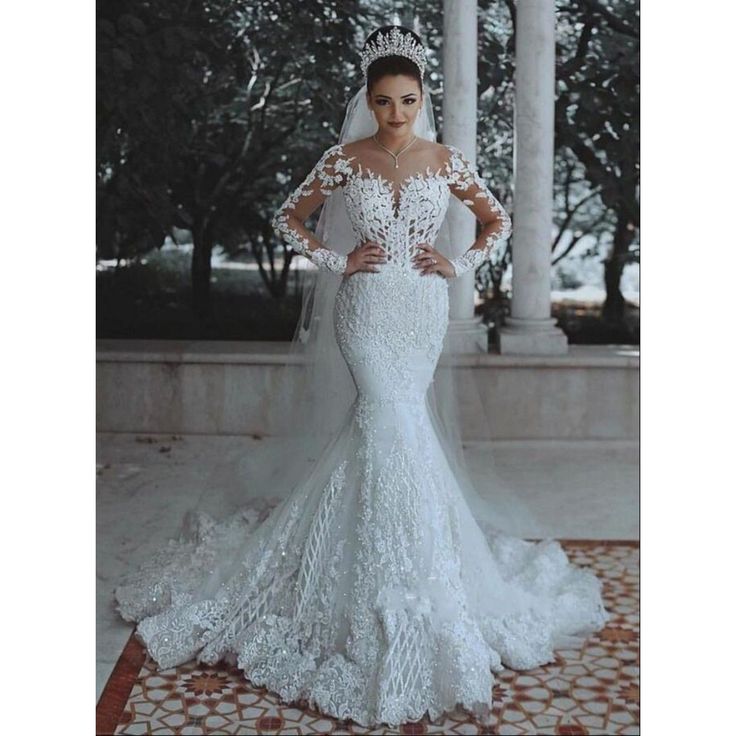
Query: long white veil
pixel 308 398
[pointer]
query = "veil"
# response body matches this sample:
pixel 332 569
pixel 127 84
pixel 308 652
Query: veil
pixel 307 397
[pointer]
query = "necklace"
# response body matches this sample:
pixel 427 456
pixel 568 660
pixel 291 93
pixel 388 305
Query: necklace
pixel 395 155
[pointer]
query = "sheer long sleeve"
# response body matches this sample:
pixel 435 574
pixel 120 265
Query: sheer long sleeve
pixel 468 186
pixel 289 219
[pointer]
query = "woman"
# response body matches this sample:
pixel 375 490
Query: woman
pixel 371 592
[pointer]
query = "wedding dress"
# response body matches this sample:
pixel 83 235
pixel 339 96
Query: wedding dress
pixel 370 591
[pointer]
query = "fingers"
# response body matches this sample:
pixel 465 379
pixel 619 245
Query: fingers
pixel 371 245
pixel 429 261
pixel 372 252
pixel 426 255
pixel 368 261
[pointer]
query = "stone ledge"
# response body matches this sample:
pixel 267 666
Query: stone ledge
pixel 278 353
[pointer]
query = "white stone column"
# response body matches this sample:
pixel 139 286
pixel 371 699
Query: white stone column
pixel 530 329
pixel 466 333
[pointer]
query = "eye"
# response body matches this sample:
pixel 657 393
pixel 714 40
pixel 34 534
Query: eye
pixel 410 101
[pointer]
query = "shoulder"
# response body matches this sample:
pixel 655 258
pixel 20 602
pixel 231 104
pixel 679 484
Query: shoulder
pixel 454 155
pixel 333 167
pixel 333 157
pixel 458 167
pixel 435 152
pixel 356 148
pixel 338 153
pixel 332 152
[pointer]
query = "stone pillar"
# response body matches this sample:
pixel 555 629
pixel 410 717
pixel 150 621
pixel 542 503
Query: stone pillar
pixel 459 128
pixel 530 329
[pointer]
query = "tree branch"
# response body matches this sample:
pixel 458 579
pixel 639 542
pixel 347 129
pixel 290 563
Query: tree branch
pixel 616 23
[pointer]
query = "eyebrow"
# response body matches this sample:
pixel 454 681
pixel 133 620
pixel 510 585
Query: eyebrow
pixel 410 94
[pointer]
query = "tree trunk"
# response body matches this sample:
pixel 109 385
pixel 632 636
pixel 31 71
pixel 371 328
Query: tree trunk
pixel 614 305
pixel 201 273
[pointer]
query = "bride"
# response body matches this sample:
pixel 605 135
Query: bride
pixel 370 591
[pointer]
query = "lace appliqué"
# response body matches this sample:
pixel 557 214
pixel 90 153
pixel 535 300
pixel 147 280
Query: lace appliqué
pixel 329 260
pixel 328 173
pixel 370 592
pixel 463 175
pixel 399 220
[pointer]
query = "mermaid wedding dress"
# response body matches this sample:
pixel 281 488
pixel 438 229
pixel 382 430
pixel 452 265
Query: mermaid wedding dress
pixel 370 592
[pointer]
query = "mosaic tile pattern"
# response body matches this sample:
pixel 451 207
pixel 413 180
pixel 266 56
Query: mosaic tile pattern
pixel 591 691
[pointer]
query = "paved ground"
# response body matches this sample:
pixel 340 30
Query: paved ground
pixel 568 490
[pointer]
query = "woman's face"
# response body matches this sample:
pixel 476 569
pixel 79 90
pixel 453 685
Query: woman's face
pixel 395 101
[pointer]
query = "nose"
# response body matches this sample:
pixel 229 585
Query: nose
pixel 396 116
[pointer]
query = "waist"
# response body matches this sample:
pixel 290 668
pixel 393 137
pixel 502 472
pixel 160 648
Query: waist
pixel 399 269
pixel 395 279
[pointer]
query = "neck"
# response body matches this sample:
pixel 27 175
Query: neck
pixel 394 141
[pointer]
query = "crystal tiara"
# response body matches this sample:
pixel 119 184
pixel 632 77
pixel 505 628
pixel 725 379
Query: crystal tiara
pixel 393 43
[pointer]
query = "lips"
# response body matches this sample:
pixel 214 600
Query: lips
pixel 396 125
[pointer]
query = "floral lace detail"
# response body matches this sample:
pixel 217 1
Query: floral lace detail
pixel 397 217
pixel 398 220
pixel 464 177
pixel 327 174
pixel 329 260
pixel 370 592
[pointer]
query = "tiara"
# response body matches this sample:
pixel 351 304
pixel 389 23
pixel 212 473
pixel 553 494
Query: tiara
pixel 393 43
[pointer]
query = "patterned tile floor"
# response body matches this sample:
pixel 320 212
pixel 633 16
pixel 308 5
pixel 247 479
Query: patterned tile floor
pixel 591 691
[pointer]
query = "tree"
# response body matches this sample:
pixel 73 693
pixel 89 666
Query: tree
pixel 198 102
pixel 211 112
pixel 597 121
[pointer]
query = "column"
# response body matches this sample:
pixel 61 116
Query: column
pixel 530 328
pixel 465 333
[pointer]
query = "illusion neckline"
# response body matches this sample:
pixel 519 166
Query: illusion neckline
pixel 390 184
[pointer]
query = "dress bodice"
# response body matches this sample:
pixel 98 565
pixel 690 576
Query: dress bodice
pixel 397 214
pixel 398 220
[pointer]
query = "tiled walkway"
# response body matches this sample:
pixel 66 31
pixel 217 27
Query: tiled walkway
pixel 591 691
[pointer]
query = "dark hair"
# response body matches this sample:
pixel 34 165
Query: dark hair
pixel 392 65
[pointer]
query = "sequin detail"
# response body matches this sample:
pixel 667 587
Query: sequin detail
pixel 370 592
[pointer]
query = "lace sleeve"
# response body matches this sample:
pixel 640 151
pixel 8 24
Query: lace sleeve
pixel 327 174
pixel 468 186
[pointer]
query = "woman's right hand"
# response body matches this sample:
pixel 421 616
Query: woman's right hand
pixel 364 256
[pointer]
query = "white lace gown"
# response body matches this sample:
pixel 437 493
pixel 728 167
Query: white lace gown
pixel 370 592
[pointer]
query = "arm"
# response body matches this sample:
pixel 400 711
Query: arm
pixel 289 219
pixel 468 186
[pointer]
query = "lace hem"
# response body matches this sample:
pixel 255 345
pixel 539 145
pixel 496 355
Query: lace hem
pixel 426 663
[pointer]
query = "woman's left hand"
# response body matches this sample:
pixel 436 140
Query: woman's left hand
pixel 431 260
